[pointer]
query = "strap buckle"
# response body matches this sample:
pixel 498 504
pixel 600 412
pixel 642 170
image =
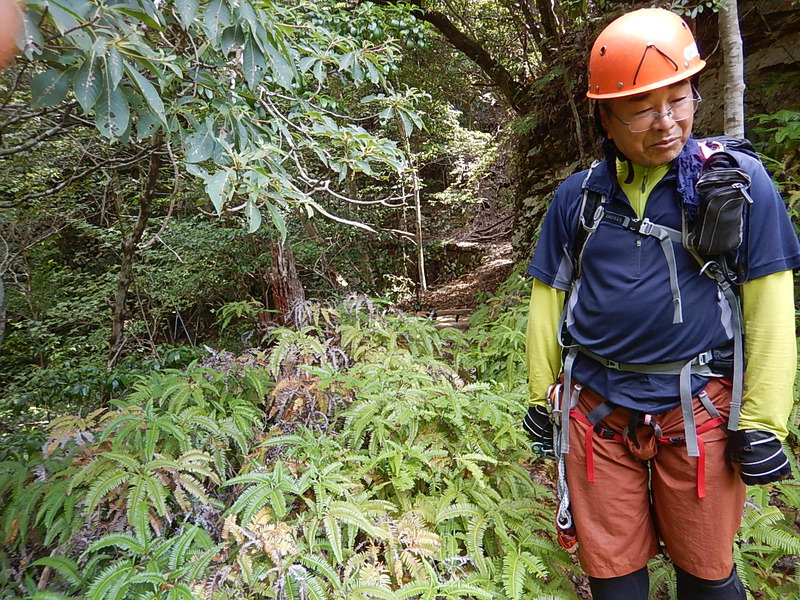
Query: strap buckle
pixel 612 364
pixel 603 433
pixel 704 358
pixel 646 227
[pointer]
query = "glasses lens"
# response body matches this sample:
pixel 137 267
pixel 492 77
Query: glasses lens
pixel 680 111
pixel 683 109
pixel 643 122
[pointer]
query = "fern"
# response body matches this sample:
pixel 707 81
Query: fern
pixel 477 529
pixel 111 581
pixel 66 567
pixel 121 541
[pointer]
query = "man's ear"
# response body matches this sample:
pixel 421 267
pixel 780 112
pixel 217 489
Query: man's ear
pixel 604 119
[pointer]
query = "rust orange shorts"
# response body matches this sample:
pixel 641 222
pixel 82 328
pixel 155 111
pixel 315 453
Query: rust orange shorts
pixel 635 506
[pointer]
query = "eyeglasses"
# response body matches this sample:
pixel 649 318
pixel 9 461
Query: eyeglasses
pixel 678 111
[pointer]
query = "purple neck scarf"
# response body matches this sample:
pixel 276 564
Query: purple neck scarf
pixel 688 166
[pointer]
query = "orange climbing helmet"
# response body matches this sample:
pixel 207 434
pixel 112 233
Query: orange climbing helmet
pixel 641 51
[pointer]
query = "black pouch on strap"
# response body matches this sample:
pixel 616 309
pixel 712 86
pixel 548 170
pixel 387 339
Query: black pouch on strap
pixel 723 198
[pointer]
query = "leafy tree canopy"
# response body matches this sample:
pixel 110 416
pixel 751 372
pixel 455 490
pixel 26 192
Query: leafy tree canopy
pixel 259 98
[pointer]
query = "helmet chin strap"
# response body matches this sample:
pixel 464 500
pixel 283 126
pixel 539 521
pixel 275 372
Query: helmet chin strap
pixel 613 153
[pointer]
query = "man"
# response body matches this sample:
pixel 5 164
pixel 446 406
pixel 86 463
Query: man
pixel 644 408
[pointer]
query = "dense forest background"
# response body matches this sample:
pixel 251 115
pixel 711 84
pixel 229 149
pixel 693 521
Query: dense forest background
pixel 262 309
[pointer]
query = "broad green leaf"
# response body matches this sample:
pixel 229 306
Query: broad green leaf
pixel 246 13
pixel 231 39
pixel 254 64
pixel 187 11
pixel 149 92
pixel 114 66
pixel 146 125
pixel 215 186
pixel 320 72
pixel 278 220
pixel 49 88
pixel 112 113
pixel 199 146
pixel 140 15
pixel 68 20
pixel 217 17
pixel 282 68
pixel 87 85
pixel 253 217
pixel 306 62
pixel 31 35
pixel 408 125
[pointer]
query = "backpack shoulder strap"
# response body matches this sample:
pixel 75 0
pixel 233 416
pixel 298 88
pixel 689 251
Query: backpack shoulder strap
pixel 589 217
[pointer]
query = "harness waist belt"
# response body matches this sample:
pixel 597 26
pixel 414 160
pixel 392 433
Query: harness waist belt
pixel 700 365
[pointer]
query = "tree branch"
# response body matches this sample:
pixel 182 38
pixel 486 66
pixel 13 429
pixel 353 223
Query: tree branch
pixel 516 93
pixel 42 136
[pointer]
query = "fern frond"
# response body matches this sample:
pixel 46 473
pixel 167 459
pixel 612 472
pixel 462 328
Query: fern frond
pixel 321 566
pixel 477 528
pixel 157 492
pixel 513 574
pixel 365 589
pixel 458 510
pixel 114 576
pixel 50 595
pixel 103 485
pixel 66 567
pixel 312 588
pixel 352 514
pixel 459 589
pixel 334 536
pixel 121 541
pixel 418 589
pixel 198 567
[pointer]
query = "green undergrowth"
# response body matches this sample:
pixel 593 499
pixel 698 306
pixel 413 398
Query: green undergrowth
pixel 361 454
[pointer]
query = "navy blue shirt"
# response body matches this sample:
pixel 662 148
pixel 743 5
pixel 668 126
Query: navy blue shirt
pixel 622 307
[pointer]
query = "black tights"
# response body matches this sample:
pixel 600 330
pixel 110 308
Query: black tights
pixel 635 586
pixel 694 588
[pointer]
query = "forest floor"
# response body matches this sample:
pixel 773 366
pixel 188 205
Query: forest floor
pixel 488 239
pixel 452 303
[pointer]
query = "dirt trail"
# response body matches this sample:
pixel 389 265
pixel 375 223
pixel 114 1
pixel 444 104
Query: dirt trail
pixel 452 303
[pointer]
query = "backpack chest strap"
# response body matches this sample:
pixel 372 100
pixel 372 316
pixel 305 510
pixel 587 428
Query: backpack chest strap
pixel 666 237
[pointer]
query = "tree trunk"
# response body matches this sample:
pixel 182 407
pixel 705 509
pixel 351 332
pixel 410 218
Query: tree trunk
pixel 423 280
pixel 2 312
pixel 129 247
pixel 733 54
pixel 287 291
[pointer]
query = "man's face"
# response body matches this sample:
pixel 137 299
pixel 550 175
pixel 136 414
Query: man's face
pixel 664 140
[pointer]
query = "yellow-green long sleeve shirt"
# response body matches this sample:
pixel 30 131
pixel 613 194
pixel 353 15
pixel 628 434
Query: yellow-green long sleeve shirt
pixel 770 348
pixel 768 320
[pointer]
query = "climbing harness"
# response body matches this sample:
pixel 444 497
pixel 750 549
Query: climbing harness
pixel 594 429
pixel 723 194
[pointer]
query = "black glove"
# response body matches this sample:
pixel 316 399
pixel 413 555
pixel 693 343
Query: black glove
pixel 538 425
pixel 760 455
